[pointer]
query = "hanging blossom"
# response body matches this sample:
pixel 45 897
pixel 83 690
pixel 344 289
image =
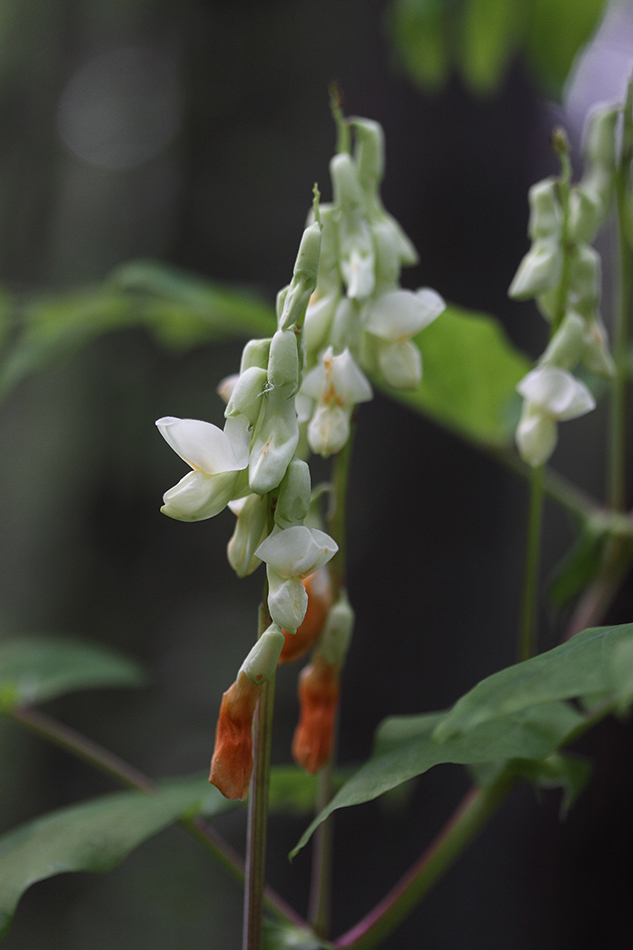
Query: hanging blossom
pixel 563 273
pixel 337 385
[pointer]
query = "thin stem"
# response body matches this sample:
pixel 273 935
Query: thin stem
pixel 622 317
pixel 321 879
pixel 597 599
pixel 337 514
pixel 255 883
pixel 529 612
pixel 470 816
pixel 125 774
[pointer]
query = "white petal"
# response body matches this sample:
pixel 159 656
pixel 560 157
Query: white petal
pixel 239 432
pixel 297 551
pixel 202 445
pixel 198 496
pixel 400 364
pixel 401 314
pixel 226 386
pixel 329 429
pixel 536 436
pixel 350 383
pixel 556 392
pixel 287 600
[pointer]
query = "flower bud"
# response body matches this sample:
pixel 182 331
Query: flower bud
pixel 596 355
pixel 274 440
pixel 251 527
pixel 232 762
pixel 319 591
pixel 293 500
pixel 287 600
pixel 255 353
pixel 304 278
pixel 283 363
pixel 566 346
pixel 540 270
pixel 585 215
pixel 584 280
pixel 262 660
pixel 337 632
pixel 400 364
pixel 599 143
pixel 246 395
pixel 369 153
pixel 536 436
pixel 225 387
pixel 348 195
pixel 318 699
pixel 546 217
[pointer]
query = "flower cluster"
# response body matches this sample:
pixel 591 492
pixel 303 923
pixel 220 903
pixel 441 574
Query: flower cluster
pixel 342 314
pixel 563 272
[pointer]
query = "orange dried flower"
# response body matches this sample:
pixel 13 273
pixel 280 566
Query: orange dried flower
pixel 232 761
pixel 319 590
pixel 318 699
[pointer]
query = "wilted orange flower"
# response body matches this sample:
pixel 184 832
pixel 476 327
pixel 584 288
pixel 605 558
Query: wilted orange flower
pixel 232 761
pixel 318 699
pixel 319 592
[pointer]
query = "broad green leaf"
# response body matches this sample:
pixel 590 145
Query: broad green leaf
pixel 184 310
pixel 280 936
pixel 35 669
pixel 557 31
pixel 418 31
pixel 93 836
pixel 491 30
pixel 582 666
pixel 470 372
pixel 569 772
pixel 405 747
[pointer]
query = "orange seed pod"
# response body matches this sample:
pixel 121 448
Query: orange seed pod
pixel 318 699
pixel 232 761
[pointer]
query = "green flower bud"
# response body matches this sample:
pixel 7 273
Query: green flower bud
pixel 294 495
pixel 546 217
pixel 274 440
pixel 247 392
pixel 599 144
pixel 540 270
pixel 255 353
pixel 283 363
pixel 261 663
pixel 369 152
pixel 304 278
pixel 585 215
pixel 584 280
pixel 348 195
pixel 335 639
pixel 596 355
pixel 251 528
pixel 566 346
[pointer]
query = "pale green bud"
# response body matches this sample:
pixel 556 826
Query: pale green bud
pixel 251 528
pixel 318 320
pixel 540 270
pixel 401 364
pixel 283 363
pixel 599 143
pixel 357 257
pixel 261 663
pixel 246 395
pixel 274 440
pixel 348 195
pixel 337 634
pixel 293 500
pixel 287 600
pixel 346 328
pixel 566 346
pixel 255 353
pixel 545 213
pixel 369 152
pixel 584 280
pixel 387 251
pixel 596 355
pixel 304 278
pixel 585 214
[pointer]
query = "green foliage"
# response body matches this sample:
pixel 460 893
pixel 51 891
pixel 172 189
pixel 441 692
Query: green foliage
pixel 470 371
pixel 518 713
pixel 480 37
pixel 580 565
pixel 569 772
pixel 35 669
pixel 94 836
pixel 279 936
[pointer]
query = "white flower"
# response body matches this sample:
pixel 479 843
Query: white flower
pixel 337 385
pixel 394 318
pixel 292 554
pixel 551 395
pixel 216 465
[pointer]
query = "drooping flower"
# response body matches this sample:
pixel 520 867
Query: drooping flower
pixel 551 395
pixel 232 762
pixel 319 591
pixel 337 385
pixel 318 701
pixel 216 460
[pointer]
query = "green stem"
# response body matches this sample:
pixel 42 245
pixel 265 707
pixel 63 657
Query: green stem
pixel 253 935
pixel 622 317
pixel 561 146
pixel 471 815
pixel 528 631
pixel 337 514
pixel 321 879
pixel 125 774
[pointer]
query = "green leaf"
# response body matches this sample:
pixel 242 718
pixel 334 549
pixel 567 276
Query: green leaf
pixel 292 790
pixel 582 666
pixel 557 31
pixel 93 836
pixel 405 747
pixel 418 32
pixel 470 372
pixel 280 936
pixel 35 669
pixel 183 310
pixel 491 30
pixel 569 772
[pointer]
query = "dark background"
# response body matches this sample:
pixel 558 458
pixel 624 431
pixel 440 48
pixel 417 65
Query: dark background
pixel 241 130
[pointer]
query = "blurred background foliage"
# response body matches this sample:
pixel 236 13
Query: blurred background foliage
pixel 191 134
